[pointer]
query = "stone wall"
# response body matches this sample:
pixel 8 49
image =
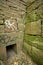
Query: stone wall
pixel 14 11
pixel 33 38
pixel 12 14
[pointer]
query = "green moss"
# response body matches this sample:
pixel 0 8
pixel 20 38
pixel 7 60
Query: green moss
pixel 1 21
pixel 32 38
pixel 27 19
pixel 31 17
pixel 41 15
pixel 35 41
pixel 36 54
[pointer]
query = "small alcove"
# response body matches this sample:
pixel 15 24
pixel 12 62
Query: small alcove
pixel 11 50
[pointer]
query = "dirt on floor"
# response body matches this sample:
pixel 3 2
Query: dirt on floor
pixel 19 59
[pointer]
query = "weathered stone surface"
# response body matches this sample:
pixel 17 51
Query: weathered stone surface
pixel 34 5
pixel 42 28
pixel 19 40
pixel 29 2
pixel 34 53
pixel 20 34
pixel 3 53
pixel 7 7
pixel 1 62
pixel 34 28
pixel 16 9
pixel 35 41
pixel 1 28
pixel 28 28
pixel 6 38
pixel 21 27
pixel 1 21
pixel 27 48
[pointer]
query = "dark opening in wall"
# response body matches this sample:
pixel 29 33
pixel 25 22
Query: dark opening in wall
pixel 11 50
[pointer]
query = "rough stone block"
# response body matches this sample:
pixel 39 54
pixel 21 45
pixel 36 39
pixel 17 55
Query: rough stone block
pixel 29 2
pixel 40 45
pixel 20 34
pixel 34 5
pixel 21 27
pixel 27 48
pixel 28 28
pixel 19 40
pixel 8 30
pixel 10 25
pixel 1 21
pixel 3 53
pixel 10 37
pixel 35 41
pixel 34 28
pixel 42 29
pixel 37 54
pixel 34 53
pixel 19 45
pixel 42 34
pixel 1 28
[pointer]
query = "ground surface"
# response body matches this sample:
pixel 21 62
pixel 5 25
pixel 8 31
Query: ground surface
pixel 20 59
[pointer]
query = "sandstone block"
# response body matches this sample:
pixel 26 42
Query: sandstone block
pixel 42 29
pixel 20 34
pixel 34 28
pixel 37 54
pixel 21 27
pixel 1 21
pixel 3 53
pixel 1 28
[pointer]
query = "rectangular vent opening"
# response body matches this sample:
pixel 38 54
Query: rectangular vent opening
pixel 11 50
